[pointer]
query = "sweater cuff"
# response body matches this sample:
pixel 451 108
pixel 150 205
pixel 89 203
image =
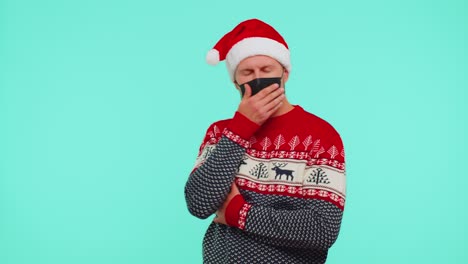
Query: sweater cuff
pixel 236 212
pixel 242 126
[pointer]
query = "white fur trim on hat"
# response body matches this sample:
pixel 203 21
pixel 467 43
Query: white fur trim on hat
pixel 256 46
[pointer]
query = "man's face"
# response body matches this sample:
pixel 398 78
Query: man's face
pixel 259 66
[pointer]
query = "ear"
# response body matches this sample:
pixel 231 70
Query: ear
pixel 237 87
pixel 285 75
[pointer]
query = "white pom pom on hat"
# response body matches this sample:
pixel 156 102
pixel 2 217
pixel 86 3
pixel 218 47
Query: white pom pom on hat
pixel 212 57
pixel 249 38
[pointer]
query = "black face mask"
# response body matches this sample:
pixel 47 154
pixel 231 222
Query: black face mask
pixel 260 83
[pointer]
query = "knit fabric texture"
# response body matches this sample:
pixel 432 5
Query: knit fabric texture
pixel 291 176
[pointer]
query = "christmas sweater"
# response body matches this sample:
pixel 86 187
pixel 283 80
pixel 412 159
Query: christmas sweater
pixel 291 176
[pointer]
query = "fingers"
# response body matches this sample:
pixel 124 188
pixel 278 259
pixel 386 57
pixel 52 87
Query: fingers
pixel 234 190
pixel 269 94
pixel 267 90
pixel 261 106
pixel 217 219
pixel 271 97
pixel 275 105
pixel 265 95
pixel 247 92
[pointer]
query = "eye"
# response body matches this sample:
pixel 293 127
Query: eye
pixel 246 72
pixel 266 69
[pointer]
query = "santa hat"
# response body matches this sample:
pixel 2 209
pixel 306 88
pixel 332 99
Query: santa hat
pixel 249 38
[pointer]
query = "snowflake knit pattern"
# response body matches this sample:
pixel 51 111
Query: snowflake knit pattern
pixel 291 176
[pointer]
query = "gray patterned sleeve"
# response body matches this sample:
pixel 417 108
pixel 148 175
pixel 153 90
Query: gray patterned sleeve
pixel 315 226
pixel 208 185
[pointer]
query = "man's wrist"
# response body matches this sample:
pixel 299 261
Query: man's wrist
pixel 242 126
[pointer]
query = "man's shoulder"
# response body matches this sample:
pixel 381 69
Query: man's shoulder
pixel 219 124
pixel 330 139
pixel 215 130
pixel 315 122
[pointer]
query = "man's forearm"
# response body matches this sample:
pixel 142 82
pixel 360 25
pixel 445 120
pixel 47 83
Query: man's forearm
pixel 209 184
pixel 315 226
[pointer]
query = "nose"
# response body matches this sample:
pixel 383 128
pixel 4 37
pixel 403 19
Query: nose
pixel 257 73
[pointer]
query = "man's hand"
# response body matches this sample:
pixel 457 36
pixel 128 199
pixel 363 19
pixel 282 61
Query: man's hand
pixel 220 217
pixel 262 105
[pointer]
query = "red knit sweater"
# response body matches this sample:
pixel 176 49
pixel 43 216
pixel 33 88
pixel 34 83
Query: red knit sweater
pixel 291 176
pixel 301 138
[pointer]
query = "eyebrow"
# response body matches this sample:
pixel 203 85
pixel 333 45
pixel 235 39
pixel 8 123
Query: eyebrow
pixel 249 68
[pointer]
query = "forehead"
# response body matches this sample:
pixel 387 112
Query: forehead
pixel 257 61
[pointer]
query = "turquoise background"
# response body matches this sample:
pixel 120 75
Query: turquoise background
pixel 103 105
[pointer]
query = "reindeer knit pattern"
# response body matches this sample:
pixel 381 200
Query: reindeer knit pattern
pixel 291 176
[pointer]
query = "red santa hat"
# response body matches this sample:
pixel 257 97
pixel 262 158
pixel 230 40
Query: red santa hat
pixel 249 38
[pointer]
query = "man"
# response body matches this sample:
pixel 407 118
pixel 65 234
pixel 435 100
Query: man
pixel 273 174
